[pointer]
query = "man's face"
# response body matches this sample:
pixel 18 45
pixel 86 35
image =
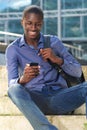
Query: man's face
pixel 32 24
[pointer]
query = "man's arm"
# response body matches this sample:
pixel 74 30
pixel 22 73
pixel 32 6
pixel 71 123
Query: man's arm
pixel 12 65
pixel 58 53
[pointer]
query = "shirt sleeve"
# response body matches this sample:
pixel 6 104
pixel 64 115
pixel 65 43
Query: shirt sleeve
pixel 12 64
pixel 70 65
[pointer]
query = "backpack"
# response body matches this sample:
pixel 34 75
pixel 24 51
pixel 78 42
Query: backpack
pixel 70 80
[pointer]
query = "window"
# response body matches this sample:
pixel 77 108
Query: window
pixel 68 4
pixel 71 27
pixel 85 26
pixel 50 26
pixel 49 4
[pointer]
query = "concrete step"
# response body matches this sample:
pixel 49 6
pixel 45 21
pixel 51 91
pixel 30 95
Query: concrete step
pixel 81 110
pixel 61 122
pixel 14 123
pixel 7 107
pixel 12 119
pixel 71 122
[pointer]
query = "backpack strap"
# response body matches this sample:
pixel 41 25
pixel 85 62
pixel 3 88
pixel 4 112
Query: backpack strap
pixel 64 75
pixel 46 41
pixel 47 45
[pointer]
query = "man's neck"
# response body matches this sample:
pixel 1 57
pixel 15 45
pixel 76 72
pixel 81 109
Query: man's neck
pixel 32 41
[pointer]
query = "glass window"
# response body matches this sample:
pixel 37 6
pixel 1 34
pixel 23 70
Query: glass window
pixel 71 27
pixel 50 26
pixel 84 2
pixel 2 24
pixel 36 2
pixel 49 4
pixel 71 4
pixel 14 26
pixel 85 26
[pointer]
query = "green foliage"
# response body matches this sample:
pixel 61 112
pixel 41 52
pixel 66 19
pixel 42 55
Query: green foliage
pixel 85 126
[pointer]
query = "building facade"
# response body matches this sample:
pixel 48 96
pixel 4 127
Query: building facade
pixel 65 18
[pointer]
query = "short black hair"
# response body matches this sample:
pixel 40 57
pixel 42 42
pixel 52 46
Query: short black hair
pixel 33 9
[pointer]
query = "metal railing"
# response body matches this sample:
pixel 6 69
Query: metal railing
pixel 77 52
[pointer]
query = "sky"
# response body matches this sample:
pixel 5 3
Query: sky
pixel 14 3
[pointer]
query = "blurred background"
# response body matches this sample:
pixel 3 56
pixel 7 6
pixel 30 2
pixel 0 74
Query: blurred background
pixel 65 18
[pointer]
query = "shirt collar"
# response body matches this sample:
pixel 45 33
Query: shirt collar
pixel 23 43
pixel 41 38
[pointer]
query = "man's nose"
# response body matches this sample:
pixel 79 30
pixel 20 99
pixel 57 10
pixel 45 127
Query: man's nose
pixel 33 26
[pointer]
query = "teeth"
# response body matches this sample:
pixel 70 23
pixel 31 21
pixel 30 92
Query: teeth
pixel 33 32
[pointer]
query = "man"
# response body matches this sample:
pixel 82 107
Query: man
pixel 38 89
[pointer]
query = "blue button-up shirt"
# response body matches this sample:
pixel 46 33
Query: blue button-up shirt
pixel 19 53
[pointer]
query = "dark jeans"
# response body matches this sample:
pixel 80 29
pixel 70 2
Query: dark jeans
pixel 35 104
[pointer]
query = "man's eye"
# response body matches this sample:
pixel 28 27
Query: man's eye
pixel 39 24
pixel 28 23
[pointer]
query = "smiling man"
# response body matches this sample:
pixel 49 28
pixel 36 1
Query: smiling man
pixel 35 86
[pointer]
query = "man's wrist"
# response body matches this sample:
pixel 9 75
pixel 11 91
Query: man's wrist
pixel 21 80
pixel 59 61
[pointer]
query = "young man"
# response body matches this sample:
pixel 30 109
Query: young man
pixel 39 89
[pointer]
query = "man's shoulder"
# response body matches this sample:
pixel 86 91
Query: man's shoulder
pixel 52 38
pixel 16 42
pixel 13 45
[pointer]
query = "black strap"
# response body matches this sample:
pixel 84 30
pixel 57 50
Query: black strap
pixel 47 45
pixel 46 41
pixel 69 79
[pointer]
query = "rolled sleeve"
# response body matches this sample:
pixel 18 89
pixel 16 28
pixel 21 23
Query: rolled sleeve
pixel 72 68
pixel 70 65
pixel 13 81
pixel 12 65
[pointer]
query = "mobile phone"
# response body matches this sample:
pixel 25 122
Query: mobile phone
pixel 33 64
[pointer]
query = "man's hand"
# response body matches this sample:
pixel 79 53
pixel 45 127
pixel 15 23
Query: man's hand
pixel 48 53
pixel 29 73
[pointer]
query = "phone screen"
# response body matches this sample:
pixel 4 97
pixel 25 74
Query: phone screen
pixel 33 64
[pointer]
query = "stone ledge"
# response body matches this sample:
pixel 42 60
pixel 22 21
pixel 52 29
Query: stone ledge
pixel 14 123
pixel 70 122
pixel 10 116
pixel 7 107
pixel 61 122
pixel 81 110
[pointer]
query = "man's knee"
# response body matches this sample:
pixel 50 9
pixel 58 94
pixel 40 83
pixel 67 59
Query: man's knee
pixel 83 89
pixel 17 93
pixel 14 90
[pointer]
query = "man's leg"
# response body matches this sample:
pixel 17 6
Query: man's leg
pixel 67 100
pixel 23 101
